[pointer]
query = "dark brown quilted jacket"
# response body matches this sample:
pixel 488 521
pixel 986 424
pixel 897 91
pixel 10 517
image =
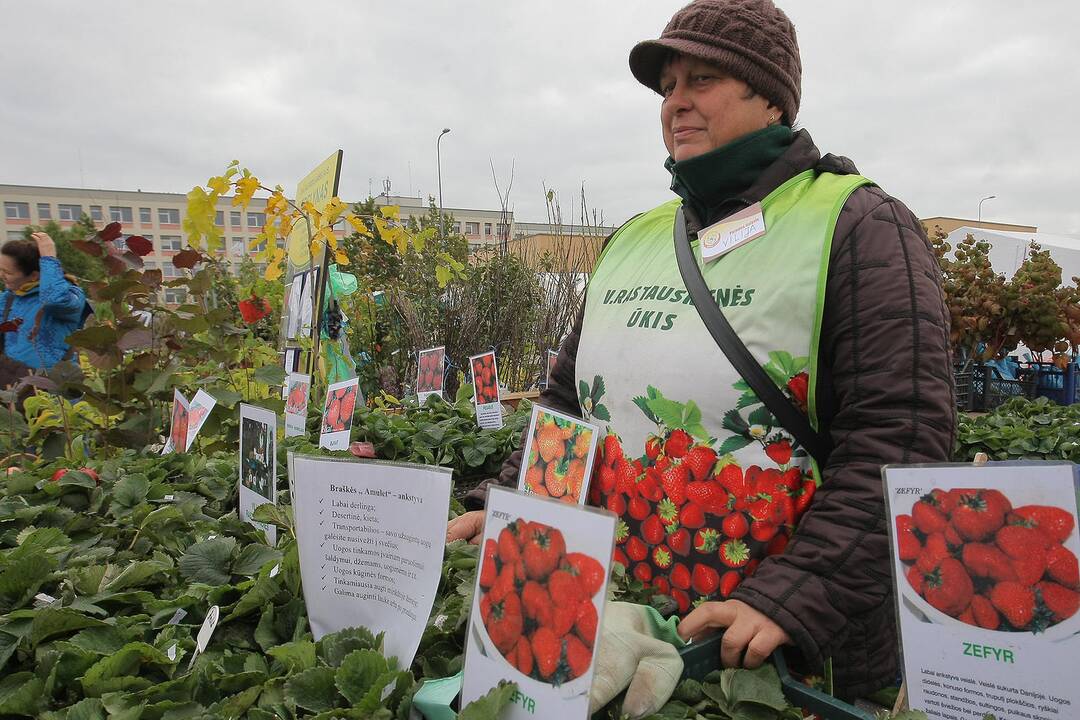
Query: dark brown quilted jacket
pixel 884 394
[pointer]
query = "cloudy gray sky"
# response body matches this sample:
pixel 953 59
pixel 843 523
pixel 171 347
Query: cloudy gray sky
pixel 940 103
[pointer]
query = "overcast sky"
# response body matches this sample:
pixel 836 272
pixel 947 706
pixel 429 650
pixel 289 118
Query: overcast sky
pixel 940 103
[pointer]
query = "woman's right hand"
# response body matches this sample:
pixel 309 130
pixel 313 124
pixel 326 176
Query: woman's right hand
pixel 469 526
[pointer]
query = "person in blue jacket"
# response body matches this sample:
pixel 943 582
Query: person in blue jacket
pixel 45 305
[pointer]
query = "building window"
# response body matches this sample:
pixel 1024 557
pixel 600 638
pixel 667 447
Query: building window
pixel 44 211
pixel 473 247
pixel 95 213
pixel 502 229
pixel 70 212
pixel 457 228
pixel 281 242
pixel 15 235
pixel 487 229
pixel 120 214
pixel 17 210
pixel 234 219
pixel 172 243
pixel 472 228
pixel 175 296
pixel 219 218
pixel 145 216
pixel 238 247
pixel 168 216
pixel 256 220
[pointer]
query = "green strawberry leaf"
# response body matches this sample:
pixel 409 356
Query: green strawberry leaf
pixel 359 672
pixel 762 416
pixel 313 690
pixel 643 403
pixel 734 422
pixel 698 431
pixel 253 557
pixel 732 444
pixel 204 561
pixel 598 388
pixel 583 392
pixel 691 413
pixel 668 412
pixel 294 656
pixel 490 706
pixel 601 413
pixel 20 694
pixel 746 400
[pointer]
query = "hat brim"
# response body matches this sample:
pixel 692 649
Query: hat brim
pixel 647 58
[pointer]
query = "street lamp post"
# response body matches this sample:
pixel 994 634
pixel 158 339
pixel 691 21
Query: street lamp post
pixel 438 160
pixel 988 197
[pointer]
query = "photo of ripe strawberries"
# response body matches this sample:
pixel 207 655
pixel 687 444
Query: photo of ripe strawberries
pixel 178 432
pixel 297 397
pixel 974 556
pixel 558 450
pixel 538 601
pixel 485 379
pixel 338 413
pixel 429 377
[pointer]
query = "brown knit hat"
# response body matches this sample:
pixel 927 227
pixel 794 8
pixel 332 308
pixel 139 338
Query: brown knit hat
pixel 751 39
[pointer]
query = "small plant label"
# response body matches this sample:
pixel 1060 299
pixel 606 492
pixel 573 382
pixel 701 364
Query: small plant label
pixel 485 375
pixel 987 589
pixel 178 430
pixel 552 356
pixel 337 415
pixel 538 604
pixel 558 458
pixel 371 537
pixel 198 411
pixel 205 631
pixel 297 391
pixel 258 464
pixel 430 369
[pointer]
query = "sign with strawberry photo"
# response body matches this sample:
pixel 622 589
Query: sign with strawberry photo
pixel 558 454
pixel 987 587
pixel 552 356
pixel 337 416
pixel 538 604
pixel 178 430
pixel 485 375
pixel 429 373
pixel 297 391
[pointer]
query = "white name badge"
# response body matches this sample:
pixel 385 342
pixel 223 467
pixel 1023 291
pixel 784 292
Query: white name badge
pixel 731 232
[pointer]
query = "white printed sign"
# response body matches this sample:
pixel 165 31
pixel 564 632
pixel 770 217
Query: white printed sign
pixel 178 430
pixel 985 573
pixel 732 232
pixel 297 392
pixel 205 631
pixel 198 411
pixel 485 373
pixel 371 538
pixel 337 417
pixel 258 464
pixel 543 638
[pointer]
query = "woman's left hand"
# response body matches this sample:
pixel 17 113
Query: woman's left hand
pixel 45 244
pixel 745 631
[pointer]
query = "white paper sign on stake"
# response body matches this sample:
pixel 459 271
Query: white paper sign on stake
pixel 552 356
pixel 171 652
pixel 258 464
pixel 205 631
pixel 430 369
pixel 485 373
pixel 986 607
pixel 371 537
pixel 731 232
pixel 569 556
pixel 178 429
pixel 297 391
pixel 198 411
pixel 337 415
pixel 179 615
pixel 565 449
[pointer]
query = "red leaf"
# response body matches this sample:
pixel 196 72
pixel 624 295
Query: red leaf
pixel 110 232
pixel 254 310
pixel 140 245
pixel 89 247
pixel 187 259
pixel 115 265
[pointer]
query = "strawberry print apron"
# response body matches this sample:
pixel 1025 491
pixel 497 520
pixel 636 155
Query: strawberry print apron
pixel 705 482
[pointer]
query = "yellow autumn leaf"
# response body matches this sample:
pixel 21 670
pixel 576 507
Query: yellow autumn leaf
pixel 315 247
pixel 245 190
pixel 218 184
pixel 419 242
pixel 390 212
pixel 276 204
pixel 334 208
pixel 285 222
pixel 358 225
pixel 254 244
pixel 274 271
pixel 442 275
pixel 341 258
